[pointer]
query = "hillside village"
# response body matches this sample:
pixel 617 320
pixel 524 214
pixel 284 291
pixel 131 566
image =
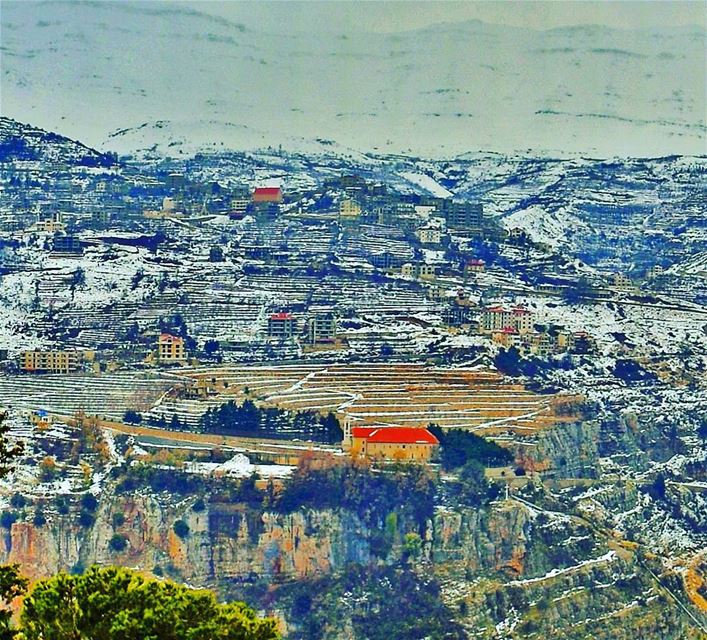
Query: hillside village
pixel 239 315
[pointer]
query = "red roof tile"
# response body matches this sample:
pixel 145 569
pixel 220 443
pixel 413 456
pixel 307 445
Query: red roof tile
pixel 395 435
pixel 281 316
pixel 168 337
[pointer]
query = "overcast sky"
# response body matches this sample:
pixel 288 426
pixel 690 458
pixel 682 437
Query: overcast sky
pixel 387 15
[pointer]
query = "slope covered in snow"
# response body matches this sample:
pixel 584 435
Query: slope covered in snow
pixel 127 76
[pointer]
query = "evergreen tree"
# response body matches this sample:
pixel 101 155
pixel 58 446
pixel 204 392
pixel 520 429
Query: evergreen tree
pixel 114 603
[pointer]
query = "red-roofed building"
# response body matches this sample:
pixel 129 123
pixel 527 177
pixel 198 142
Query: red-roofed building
pixel 281 326
pixel 498 318
pixel 474 266
pixel 267 194
pixel 170 348
pixel 411 444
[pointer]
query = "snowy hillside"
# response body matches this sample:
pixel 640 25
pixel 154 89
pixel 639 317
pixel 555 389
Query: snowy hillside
pixel 129 76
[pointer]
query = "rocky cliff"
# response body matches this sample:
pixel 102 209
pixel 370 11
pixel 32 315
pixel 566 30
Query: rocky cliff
pixel 500 571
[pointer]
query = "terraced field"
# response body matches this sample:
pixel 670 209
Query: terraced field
pixel 107 395
pixel 392 394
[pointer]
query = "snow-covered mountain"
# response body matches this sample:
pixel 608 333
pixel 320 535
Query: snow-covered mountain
pixel 123 76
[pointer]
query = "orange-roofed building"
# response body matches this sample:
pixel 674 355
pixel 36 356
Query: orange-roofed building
pixel 408 444
pixel 170 348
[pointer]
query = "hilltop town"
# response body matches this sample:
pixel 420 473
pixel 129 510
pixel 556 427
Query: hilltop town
pixel 229 318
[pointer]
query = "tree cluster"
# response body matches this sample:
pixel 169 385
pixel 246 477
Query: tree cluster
pixel 115 603
pixel 249 420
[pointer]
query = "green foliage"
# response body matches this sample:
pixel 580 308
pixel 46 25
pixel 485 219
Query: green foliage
pixel 86 518
pixel 199 505
pixel 62 505
pixel 631 371
pixel 7 519
pixel 471 489
pixel 117 604
pixel 172 481
pixel 39 519
pixel 18 501
pixel 8 452
pixel 459 447
pixel 412 545
pixel 118 543
pixel 181 528
pixel 12 585
pixel 408 490
pixel 118 519
pixel 132 417
pixel 89 502
pixel 249 420
pixel 382 603
pixel 581 290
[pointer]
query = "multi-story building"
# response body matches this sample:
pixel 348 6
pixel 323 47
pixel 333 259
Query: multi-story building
pixel 267 195
pixel 49 361
pixel 421 271
pixel 474 266
pixel 463 216
pixel 66 243
pixel 52 224
pixel 281 326
pixel 170 348
pixel 499 318
pixel 429 235
pixel 349 208
pixel 321 328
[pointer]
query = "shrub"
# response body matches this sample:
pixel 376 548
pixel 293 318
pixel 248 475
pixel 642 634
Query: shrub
pixel 118 543
pixel 89 502
pixel 7 519
pixel 132 417
pixel 18 501
pixel 181 528
pixel 86 518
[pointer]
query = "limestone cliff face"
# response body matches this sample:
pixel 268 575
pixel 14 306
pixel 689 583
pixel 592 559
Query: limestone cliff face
pixel 566 450
pixel 233 542
pixel 482 540
pixel 224 542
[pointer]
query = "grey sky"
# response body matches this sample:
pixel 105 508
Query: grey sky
pixel 400 15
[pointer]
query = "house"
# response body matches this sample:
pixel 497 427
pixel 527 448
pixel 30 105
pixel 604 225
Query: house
pixel 66 243
pixel 281 326
pixel 463 216
pixel 419 271
pixel 49 361
pixel 507 337
pixel 429 235
pixel 168 210
pixel 349 208
pixel 499 318
pixel 321 328
pixel 53 224
pixel 623 284
pixel 474 266
pixel 170 348
pixel 267 195
pixel 409 444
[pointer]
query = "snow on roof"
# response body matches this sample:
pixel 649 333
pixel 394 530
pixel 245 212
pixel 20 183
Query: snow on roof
pixel 168 337
pixel 395 435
